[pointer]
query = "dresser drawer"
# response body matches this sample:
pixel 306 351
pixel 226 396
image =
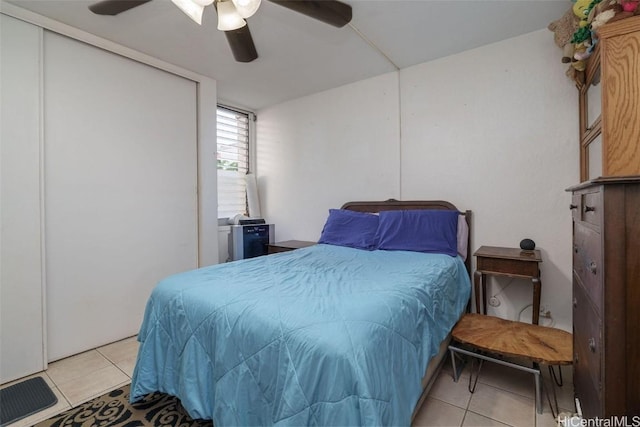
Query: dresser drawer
pixel 509 267
pixel 587 393
pixel 592 208
pixel 587 341
pixel 588 262
pixel 576 207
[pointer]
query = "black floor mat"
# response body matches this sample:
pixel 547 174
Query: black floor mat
pixel 25 398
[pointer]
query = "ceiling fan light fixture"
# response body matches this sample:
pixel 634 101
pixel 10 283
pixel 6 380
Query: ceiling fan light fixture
pixel 192 8
pixel 246 8
pixel 228 17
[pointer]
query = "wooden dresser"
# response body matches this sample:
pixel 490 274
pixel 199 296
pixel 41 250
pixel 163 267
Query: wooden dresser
pixel 606 296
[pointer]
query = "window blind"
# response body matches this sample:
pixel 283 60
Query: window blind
pixel 232 162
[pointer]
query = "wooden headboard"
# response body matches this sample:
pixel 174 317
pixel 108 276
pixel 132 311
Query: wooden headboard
pixel 396 205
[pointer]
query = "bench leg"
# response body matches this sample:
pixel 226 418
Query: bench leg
pixel 538 393
pixel 457 370
pixel 557 379
pixel 472 388
pixel 535 371
pixel 554 381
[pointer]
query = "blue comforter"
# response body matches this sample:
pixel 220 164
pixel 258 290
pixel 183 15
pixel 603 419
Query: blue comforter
pixel 325 335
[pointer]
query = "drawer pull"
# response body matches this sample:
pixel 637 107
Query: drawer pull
pixel 575 302
pixel 593 267
pixel 592 345
pixel 589 208
pixel 572 206
pixel 575 358
pixel 575 248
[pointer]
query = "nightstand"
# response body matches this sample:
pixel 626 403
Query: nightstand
pixel 511 262
pixel 287 245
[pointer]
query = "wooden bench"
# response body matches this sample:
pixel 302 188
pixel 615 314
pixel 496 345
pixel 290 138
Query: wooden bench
pixel 532 343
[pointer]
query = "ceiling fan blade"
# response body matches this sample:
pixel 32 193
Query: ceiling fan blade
pixel 241 44
pixel 114 7
pixel 331 12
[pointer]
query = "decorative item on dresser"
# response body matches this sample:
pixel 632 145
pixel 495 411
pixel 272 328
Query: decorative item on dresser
pixel 606 296
pixel 527 245
pixel 610 103
pixel 287 245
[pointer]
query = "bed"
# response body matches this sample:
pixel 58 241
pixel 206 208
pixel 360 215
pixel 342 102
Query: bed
pixel 325 335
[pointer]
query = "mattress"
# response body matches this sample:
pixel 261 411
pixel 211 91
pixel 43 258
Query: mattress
pixel 324 335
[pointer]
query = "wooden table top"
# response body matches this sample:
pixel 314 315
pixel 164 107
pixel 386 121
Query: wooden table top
pixel 508 253
pixel 540 344
pixel 293 244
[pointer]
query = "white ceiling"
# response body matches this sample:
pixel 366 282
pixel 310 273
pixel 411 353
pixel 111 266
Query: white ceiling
pixel 298 55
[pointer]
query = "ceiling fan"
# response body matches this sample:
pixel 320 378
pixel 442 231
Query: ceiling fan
pixel 232 15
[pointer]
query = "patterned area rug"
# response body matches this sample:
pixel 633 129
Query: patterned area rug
pixel 114 409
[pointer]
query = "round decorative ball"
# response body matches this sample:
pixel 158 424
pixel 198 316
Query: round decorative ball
pixel 527 245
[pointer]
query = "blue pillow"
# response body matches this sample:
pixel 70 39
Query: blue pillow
pixel 349 228
pixel 433 231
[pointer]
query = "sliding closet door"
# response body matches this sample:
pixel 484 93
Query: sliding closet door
pixel 21 309
pixel 120 185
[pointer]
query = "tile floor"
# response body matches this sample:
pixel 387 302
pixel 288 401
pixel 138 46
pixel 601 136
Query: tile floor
pixel 503 397
pixel 82 377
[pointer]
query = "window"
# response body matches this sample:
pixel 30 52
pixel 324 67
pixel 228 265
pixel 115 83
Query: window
pixel 233 161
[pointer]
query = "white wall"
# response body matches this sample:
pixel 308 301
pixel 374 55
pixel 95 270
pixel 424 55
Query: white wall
pixel 501 136
pixel 207 175
pixel 493 130
pixel 317 152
